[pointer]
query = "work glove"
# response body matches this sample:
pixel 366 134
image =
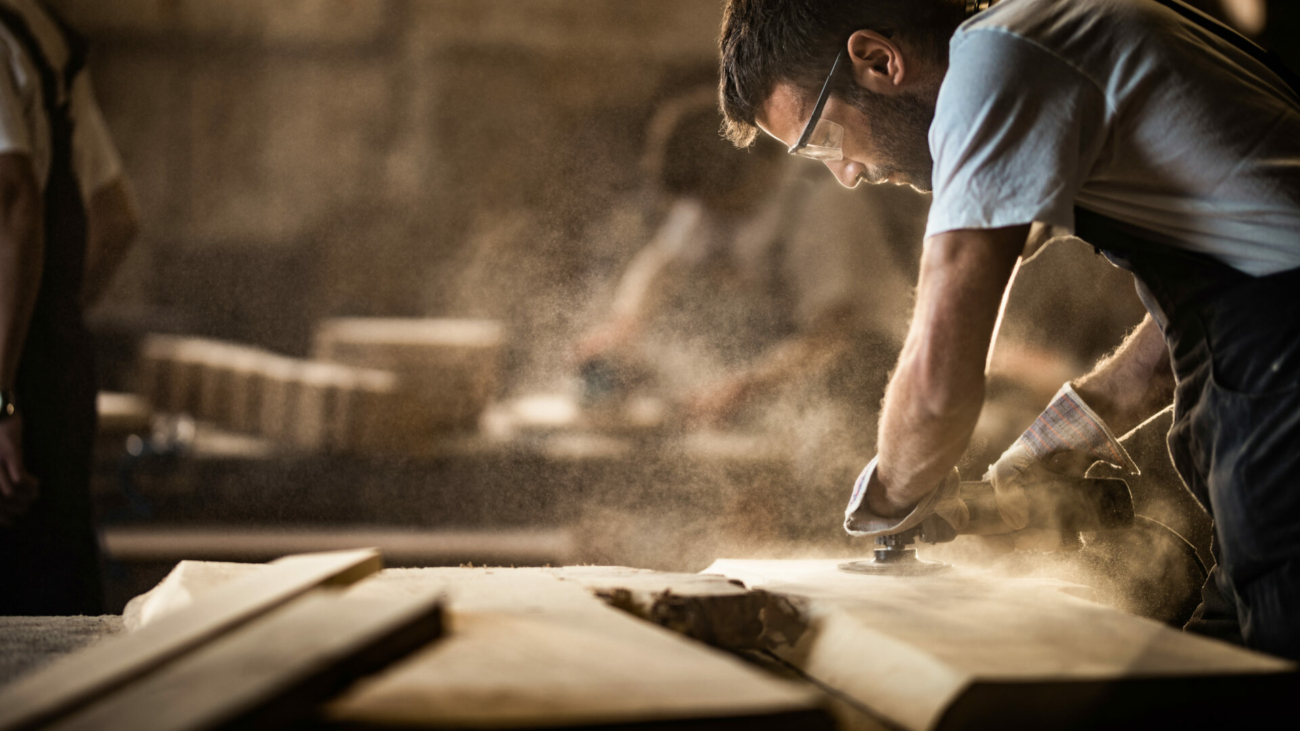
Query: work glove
pixel 1067 424
pixel 940 505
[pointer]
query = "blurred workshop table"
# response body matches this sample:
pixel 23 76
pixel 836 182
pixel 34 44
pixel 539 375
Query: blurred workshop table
pixel 530 496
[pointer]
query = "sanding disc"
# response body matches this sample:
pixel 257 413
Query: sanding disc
pixel 915 567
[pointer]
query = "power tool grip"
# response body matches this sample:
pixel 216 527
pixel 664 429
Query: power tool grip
pixel 1068 504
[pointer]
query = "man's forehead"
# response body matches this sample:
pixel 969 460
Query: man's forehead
pixel 782 113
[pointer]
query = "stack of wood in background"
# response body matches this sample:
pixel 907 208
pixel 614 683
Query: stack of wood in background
pixel 448 366
pixel 375 386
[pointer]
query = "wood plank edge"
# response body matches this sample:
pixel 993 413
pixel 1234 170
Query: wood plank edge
pixel 69 701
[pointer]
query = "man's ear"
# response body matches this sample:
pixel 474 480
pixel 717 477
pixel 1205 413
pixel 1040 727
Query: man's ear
pixel 878 64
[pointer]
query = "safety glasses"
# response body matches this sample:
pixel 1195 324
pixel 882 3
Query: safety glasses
pixel 822 139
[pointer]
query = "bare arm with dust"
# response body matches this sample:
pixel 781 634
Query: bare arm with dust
pixel 936 393
pixel 1133 383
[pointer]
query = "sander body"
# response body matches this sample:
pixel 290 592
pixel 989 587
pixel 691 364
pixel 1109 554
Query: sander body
pixel 1070 505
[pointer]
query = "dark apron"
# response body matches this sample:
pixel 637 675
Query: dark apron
pixel 49 562
pixel 1234 342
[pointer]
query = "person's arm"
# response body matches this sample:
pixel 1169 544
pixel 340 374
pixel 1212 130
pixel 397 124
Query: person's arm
pixel 1132 383
pixel 634 296
pixel 112 226
pixel 22 246
pixel 804 353
pixel 639 286
pixel 935 395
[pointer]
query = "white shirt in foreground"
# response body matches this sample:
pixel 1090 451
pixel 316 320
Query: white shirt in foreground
pixel 24 126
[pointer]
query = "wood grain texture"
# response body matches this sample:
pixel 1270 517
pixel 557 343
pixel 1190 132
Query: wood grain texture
pixel 76 680
pixel 528 648
pixel 710 608
pixel 273 672
pixel 966 649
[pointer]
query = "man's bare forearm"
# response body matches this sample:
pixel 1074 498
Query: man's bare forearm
pixel 935 395
pixel 22 245
pixel 112 227
pixel 1133 383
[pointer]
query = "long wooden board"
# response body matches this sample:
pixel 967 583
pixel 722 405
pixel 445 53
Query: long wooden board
pixel 71 683
pixel 967 649
pixel 272 673
pixel 529 649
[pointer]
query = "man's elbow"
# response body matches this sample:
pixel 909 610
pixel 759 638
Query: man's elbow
pixel 940 397
pixel 114 221
pixel 946 404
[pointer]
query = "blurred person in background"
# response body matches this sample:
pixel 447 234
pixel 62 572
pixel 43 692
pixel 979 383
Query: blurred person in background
pixel 66 220
pixel 762 286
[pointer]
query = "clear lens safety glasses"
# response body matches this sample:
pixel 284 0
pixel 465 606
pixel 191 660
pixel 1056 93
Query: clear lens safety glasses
pixel 825 143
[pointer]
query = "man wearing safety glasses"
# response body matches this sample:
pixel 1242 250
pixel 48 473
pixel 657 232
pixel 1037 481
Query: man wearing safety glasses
pixel 1151 132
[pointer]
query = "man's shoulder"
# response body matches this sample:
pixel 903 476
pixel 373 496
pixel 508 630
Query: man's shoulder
pixel 1055 24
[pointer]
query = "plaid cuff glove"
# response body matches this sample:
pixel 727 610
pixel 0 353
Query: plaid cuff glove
pixel 1067 424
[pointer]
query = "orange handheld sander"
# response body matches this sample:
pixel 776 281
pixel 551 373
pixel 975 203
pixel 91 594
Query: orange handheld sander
pixel 1071 505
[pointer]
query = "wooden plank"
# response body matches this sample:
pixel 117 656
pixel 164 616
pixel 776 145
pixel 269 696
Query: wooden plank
pixel 167 543
pixel 279 384
pixel 122 413
pixel 273 672
pixel 447 366
pixel 529 649
pixel 969 649
pixel 69 684
pixel 706 607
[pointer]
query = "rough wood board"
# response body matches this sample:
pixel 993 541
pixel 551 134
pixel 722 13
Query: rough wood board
pixel 526 648
pixel 914 648
pixel 75 680
pixel 273 672
pixel 709 608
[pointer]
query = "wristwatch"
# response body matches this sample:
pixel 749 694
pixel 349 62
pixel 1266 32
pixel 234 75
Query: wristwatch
pixel 8 404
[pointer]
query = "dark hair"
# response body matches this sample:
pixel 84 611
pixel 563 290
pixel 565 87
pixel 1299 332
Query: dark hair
pixel 685 154
pixel 764 42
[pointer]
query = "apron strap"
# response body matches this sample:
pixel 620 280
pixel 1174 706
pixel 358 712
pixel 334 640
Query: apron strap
pixel 1240 42
pixel 22 32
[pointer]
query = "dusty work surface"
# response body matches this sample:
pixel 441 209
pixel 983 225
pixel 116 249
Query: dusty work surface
pixel 971 649
pixel 27 643
pixel 539 648
pixel 543 647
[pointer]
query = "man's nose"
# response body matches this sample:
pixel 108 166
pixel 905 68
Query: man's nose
pixel 848 173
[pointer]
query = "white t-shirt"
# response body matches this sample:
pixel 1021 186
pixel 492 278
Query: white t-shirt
pixel 1127 109
pixel 24 126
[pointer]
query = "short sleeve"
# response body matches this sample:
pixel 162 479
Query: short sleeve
pixel 1016 132
pixel 14 133
pixel 94 156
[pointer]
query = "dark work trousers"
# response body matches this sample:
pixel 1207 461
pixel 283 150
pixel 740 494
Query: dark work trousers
pixel 49 562
pixel 1234 341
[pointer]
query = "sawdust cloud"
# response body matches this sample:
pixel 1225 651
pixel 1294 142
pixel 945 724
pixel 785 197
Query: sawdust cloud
pixel 771 482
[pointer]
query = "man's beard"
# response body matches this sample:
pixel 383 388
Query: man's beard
pixel 900 127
